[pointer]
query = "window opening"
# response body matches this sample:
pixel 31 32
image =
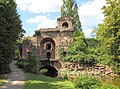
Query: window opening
pixel 48 55
pixel 65 25
pixel 48 46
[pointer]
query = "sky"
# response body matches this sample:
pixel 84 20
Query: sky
pixel 36 14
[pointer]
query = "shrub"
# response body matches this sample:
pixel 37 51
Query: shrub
pixel 86 82
pixel 90 82
pixel 30 64
pixel 117 67
pixel 108 86
pixel 22 63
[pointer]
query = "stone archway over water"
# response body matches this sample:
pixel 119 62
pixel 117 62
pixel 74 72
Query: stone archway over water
pixel 51 71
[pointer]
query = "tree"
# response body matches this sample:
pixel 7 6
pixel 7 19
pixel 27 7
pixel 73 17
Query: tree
pixel 70 9
pixel 77 50
pixel 109 30
pixel 10 31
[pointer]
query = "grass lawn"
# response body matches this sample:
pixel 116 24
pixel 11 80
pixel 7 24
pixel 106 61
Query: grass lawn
pixel 2 79
pixel 43 82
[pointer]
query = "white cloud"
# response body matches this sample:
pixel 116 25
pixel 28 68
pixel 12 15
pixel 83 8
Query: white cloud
pixel 42 21
pixel 39 6
pixel 88 32
pixel 90 12
pixel 91 15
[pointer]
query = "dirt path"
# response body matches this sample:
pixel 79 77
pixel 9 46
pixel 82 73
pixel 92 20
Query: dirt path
pixel 15 78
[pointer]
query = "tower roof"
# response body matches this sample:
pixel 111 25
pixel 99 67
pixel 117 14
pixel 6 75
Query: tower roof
pixel 64 18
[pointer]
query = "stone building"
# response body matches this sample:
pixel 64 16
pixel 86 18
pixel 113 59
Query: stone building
pixel 51 40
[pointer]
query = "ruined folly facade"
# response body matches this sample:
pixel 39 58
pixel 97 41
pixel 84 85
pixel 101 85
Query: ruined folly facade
pixel 48 43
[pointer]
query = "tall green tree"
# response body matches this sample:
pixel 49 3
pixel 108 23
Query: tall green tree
pixel 109 30
pixel 70 9
pixel 77 49
pixel 10 31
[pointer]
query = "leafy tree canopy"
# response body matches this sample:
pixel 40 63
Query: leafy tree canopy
pixel 109 30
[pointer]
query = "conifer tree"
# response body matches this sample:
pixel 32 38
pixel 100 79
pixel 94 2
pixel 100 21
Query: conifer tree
pixel 70 9
pixel 10 31
pixel 77 49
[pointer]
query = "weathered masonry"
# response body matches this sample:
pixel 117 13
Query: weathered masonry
pixel 50 40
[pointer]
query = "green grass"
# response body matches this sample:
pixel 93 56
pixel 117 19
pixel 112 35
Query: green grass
pixel 43 82
pixel 3 80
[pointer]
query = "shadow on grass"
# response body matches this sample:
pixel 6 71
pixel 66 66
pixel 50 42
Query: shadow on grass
pixel 43 82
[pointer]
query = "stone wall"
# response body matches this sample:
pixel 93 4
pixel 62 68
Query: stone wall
pixel 62 39
pixel 94 70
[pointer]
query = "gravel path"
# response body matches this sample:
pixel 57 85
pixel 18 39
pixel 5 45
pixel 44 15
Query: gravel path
pixel 15 78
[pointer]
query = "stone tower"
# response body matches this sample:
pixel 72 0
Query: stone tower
pixel 51 40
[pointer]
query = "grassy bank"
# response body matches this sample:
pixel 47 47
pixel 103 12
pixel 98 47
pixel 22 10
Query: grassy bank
pixel 42 82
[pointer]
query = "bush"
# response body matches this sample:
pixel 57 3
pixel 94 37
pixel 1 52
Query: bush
pixel 86 82
pixel 117 67
pixel 90 82
pixel 108 86
pixel 30 64
pixel 22 63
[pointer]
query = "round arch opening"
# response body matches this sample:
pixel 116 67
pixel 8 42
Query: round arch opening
pixel 49 71
pixel 65 25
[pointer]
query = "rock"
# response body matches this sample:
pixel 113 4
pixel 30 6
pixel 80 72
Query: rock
pixel 73 75
pixel 80 68
pixel 96 73
pixel 102 67
pixel 108 72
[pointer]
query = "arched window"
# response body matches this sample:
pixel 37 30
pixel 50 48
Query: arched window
pixel 48 46
pixel 65 25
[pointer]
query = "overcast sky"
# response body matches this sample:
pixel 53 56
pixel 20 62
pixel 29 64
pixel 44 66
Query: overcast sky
pixel 36 14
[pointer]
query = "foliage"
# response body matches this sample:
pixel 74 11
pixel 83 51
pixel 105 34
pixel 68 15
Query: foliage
pixel 61 52
pixel 22 63
pixel 90 82
pixel 84 51
pixel 86 82
pixel 116 67
pixel 109 30
pixel 30 64
pixel 108 86
pixel 37 33
pixel 10 31
pixel 70 9
pixel 78 49
pixel 109 34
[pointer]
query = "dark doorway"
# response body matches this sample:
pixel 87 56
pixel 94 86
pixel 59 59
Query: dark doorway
pixel 48 46
pixel 48 55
